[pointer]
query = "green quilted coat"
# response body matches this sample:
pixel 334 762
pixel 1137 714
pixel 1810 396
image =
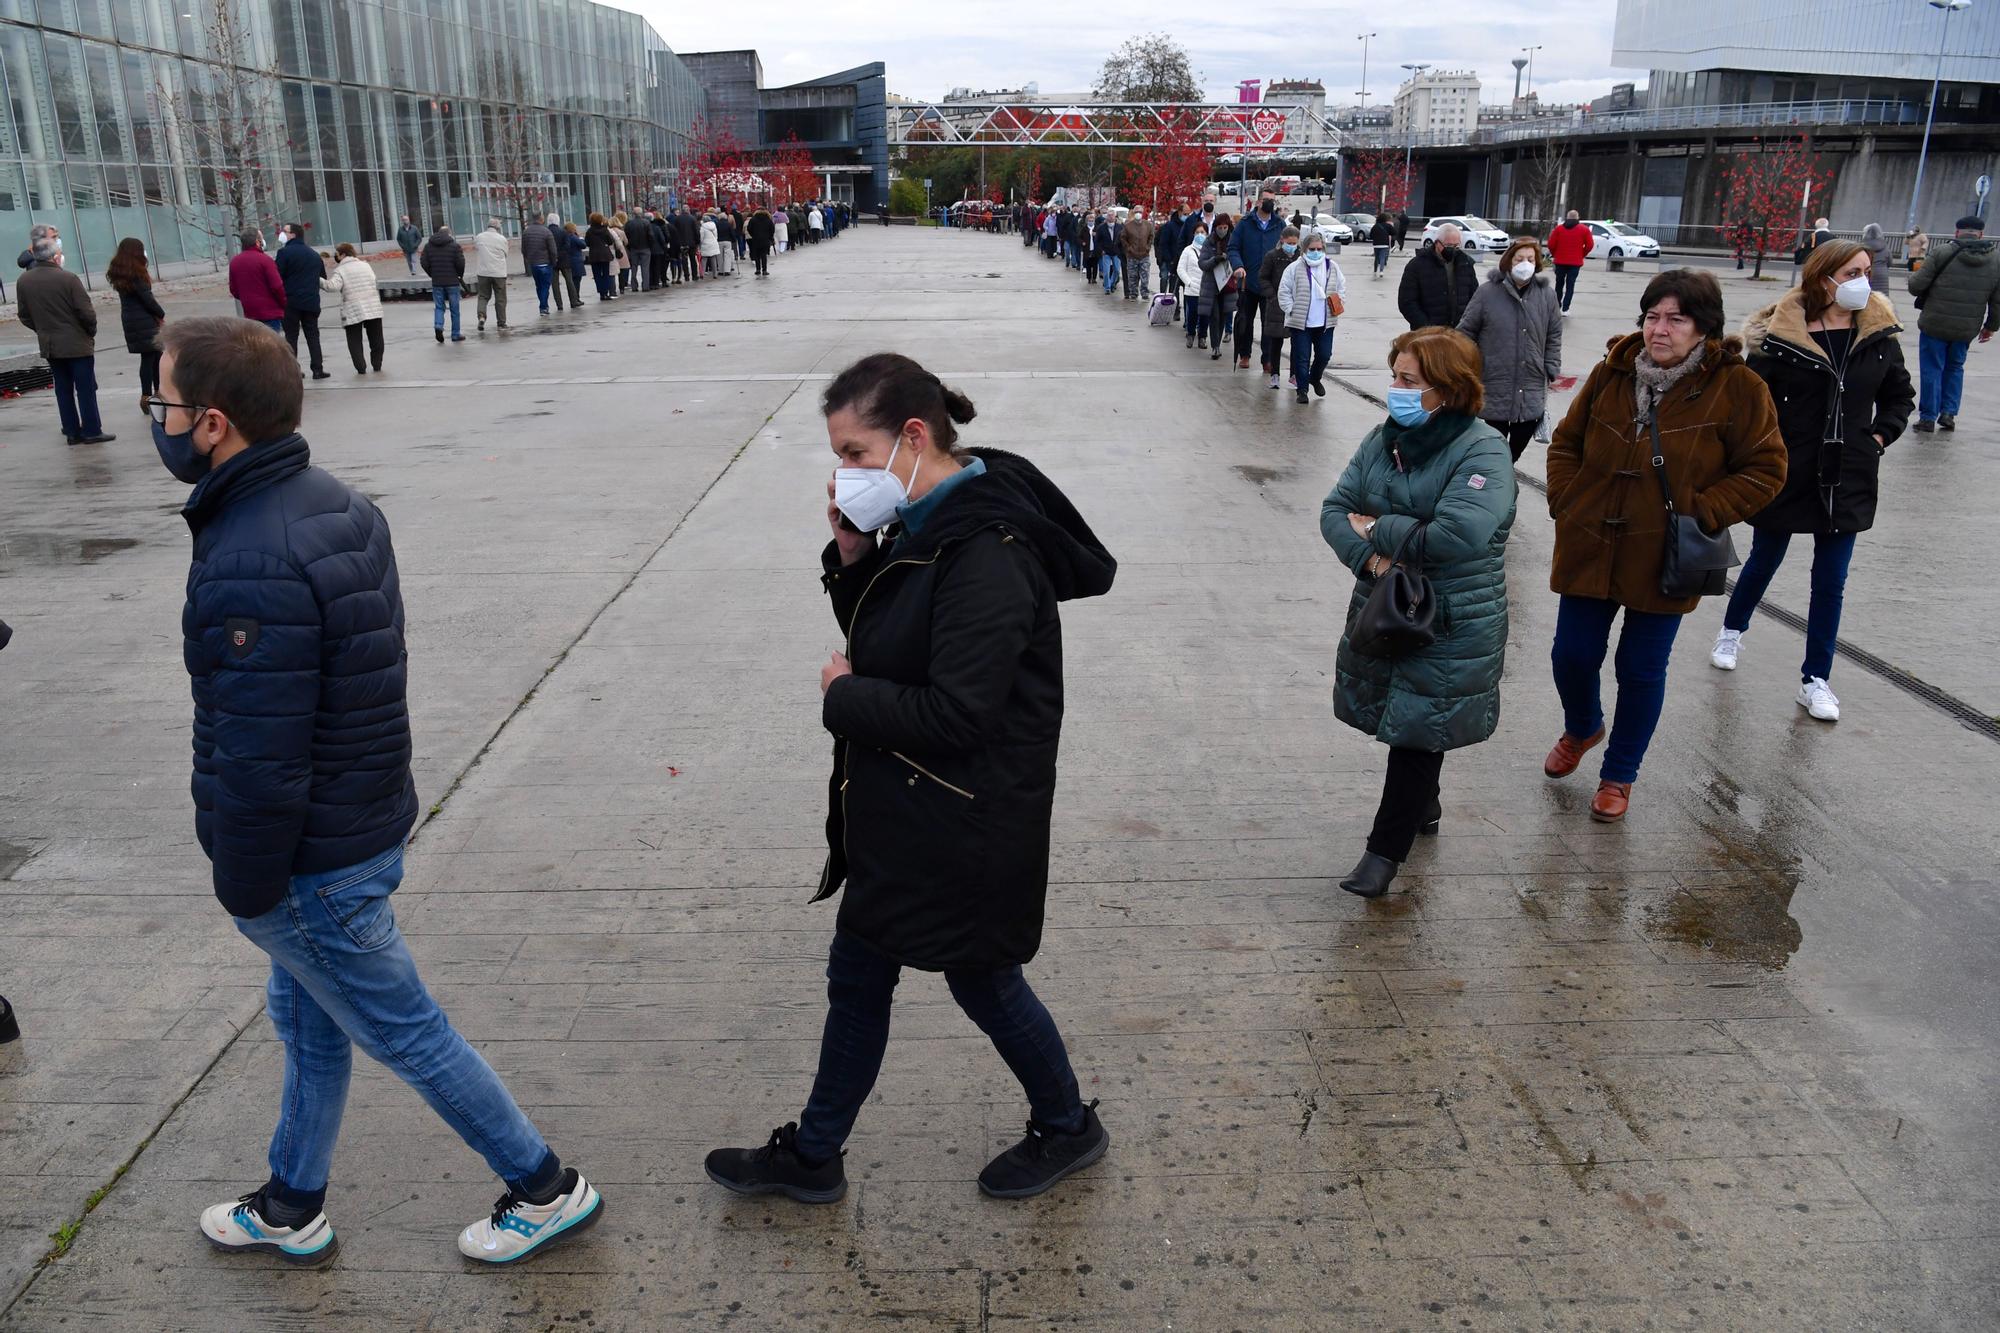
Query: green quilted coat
pixel 1453 472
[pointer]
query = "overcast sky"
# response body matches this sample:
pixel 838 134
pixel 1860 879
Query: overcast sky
pixel 933 47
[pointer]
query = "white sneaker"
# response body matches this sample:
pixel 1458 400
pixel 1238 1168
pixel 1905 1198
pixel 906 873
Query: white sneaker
pixel 1275 384
pixel 518 1228
pixel 1723 656
pixel 240 1225
pixel 1817 699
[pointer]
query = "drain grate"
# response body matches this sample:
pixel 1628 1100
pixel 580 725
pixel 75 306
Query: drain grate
pixel 1949 704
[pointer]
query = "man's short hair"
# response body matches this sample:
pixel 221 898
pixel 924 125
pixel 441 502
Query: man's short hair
pixel 1971 222
pixel 247 238
pixel 39 230
pixel 45 248
pixel 240 368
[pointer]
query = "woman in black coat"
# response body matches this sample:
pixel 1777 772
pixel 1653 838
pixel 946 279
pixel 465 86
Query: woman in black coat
pixel 1828 350
pixel 761 233
pixel 598 250
pixel 138 312
pixel 945 709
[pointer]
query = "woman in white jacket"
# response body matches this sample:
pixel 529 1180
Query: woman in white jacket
pixel 353 280
pixel 1310 292
pixel 1188 270
pixel 711 248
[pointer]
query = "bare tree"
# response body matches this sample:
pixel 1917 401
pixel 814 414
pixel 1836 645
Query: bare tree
pixel 227 127
pixel 1151 67
pixel 514 151
pixel 1543 172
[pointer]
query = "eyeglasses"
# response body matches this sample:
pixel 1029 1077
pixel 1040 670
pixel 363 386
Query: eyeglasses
pixel 158 407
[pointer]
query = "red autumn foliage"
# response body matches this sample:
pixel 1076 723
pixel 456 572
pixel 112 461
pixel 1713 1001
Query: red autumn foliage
pixel 1764 197
pixel 714 166
pixel 1376 181
pixel 791 173
pixel 1174 169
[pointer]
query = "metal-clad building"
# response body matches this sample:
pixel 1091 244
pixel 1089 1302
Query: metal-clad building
pixel 359 111
pixel 841 119
pixel 1812 50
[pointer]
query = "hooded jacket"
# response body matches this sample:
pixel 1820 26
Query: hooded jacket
pixel 1960 284
pixel 1520 336
pixel 945 736
pixel 1570 243
pixel 1725 460
pixel 1453 474
pixel 1434 293
pixel 1830 421
pixel 443 260
pixel 293 638
pixel 300 268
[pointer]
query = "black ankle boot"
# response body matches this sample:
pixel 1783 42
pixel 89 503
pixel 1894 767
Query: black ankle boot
pixel 1372 876
pixel 1430 825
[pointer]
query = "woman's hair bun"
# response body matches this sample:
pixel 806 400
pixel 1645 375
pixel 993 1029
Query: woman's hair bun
pixel 958 405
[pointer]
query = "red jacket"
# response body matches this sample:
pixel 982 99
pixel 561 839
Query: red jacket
pixel 254 280
pixel 1568 245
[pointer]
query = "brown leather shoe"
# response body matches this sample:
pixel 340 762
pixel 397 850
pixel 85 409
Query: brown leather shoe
pixel 1611 801
pixel 1569 752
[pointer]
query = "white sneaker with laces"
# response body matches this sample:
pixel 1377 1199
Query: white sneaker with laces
pixel 1274 382
pixel 1816 698
pixel 1723 656
pixel 240 1225
pixel 518 1228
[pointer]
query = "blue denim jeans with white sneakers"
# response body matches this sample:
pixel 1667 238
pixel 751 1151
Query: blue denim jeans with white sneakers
pixel 341 976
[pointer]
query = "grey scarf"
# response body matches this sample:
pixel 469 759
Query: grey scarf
pixel 1651 383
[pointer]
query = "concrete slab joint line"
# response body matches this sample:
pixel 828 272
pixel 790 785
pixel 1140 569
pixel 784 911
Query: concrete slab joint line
pixel 1916 686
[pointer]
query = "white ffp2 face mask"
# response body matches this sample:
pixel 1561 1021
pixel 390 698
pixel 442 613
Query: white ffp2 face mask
pixel 1523 271
pixel 869 496
pixel 1853 294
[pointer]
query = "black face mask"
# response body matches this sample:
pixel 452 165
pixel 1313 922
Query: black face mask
pixel 1447 253
pixel 1265 208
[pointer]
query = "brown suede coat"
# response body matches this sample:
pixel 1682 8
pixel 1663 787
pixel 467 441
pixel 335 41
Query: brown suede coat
pixel 1724 458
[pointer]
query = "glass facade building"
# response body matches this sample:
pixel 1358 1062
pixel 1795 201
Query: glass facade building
pixel 163 119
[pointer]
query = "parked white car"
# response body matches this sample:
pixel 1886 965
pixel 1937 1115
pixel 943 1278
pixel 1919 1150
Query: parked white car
pixel 1615 240
pixel 1335 231
pixel 1478 232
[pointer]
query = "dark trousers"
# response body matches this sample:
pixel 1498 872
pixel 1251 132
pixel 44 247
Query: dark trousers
pixel 1409 794
pixel 1831 553
pixel 1583 634
pixel 1218 321
pixel 297 322
pixel 573 279
pixel 371 329
pixel 1311 350
pixel 149 372
pixel 860 986
pixel 639 277
pixel 760 259
pixel 1247 310
pixel 76 395
pixel 1518 434
pixel 1566 282
pixel 600 273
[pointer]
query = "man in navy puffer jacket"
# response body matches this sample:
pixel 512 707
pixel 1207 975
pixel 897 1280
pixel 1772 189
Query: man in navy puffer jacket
pixel 293 636
pixel 1249 241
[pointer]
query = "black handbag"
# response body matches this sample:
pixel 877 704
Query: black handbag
pixel 1696 562
pixel 1396 619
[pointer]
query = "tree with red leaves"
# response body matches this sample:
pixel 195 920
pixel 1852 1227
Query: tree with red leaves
pixel 1376 182
pixel 1173 169
pixel 713 165
pixel 1766 193
pixel 792 175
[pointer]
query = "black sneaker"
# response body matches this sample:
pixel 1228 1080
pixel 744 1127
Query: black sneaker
pixel 1302 396
pixel 1319 387
pixel 1044 1157
pixel 1948 421
pixel 777 1168
pixel 1924 426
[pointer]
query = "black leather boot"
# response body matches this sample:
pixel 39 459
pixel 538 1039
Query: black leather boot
pixel 1371 877
pixel 1430 825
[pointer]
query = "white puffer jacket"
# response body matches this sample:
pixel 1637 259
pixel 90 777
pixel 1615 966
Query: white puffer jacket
pixel 1189 269
pixel 489 255
pixel 353 281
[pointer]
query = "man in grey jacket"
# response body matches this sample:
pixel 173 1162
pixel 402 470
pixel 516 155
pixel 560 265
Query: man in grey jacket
pixel 538 252
pixel 1959 287
pixel 53 304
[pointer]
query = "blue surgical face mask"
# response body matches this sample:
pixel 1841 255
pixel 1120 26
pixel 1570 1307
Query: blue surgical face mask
pixel 1406 406
pixel 1315 256
pixel 1291 247
pixel 178 453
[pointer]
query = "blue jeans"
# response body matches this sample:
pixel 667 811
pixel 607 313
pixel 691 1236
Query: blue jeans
pixel 274 325
pixel 1311 350
pixel 76 395
pixel 1831 554
pixel 1107 271
pixel 544 274
pixel 1941 371
pixel 1583 632
pixel 440 298
pixel 1381 258
pixel 341 976
pixel 861 983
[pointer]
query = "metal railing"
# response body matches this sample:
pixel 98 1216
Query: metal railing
pixel 1735 115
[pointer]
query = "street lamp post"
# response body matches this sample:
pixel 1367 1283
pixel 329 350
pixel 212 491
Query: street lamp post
pixel 1363 37
pixel 1409 150
pixel 1531 68
pixel 1916 190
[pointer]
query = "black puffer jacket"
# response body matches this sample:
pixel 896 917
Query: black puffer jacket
pixel 1436 293
pixel 944 757
pixel 293 637
pixel 1829 487
pixel 139 314
pixel 597 237
pixel 443 260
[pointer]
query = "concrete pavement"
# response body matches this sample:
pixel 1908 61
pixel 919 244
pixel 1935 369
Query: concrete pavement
pixel 1727 1066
